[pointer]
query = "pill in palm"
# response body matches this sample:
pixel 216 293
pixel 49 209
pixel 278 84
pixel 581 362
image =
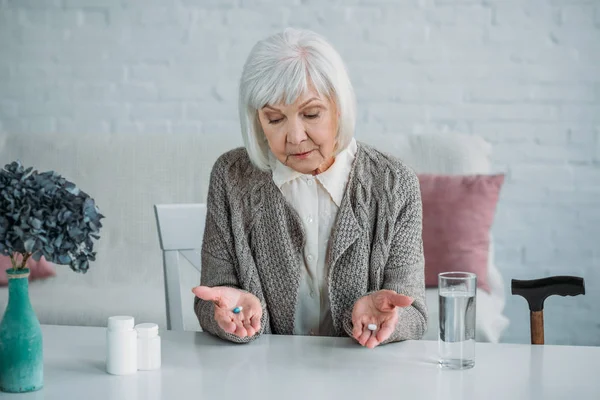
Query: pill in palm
pixel 372 327
pixel 238 310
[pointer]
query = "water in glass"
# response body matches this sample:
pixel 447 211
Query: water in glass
pixel 457 328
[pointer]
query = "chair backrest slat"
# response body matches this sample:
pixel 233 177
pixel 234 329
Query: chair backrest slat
pixel 180 230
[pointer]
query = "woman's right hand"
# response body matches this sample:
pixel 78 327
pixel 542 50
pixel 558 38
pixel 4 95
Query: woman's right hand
pixel 226 299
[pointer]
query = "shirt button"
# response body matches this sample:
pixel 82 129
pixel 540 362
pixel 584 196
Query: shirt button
pixel 309 182
pixel 309 219
pixel 312 294
pixel 309 258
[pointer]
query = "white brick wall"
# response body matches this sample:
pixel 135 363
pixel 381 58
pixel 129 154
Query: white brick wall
pixel 523 74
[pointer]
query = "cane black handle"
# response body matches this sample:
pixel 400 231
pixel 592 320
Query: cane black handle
pixel 535 291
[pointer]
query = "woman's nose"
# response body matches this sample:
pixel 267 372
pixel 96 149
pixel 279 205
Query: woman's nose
pixel 296 133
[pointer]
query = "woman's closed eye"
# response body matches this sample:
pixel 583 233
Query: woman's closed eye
pixel 308 116
pixel 312 112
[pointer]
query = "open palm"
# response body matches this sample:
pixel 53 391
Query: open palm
pixel 246 322
pixel 379 309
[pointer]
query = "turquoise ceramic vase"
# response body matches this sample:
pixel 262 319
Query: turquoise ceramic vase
pixel 21 356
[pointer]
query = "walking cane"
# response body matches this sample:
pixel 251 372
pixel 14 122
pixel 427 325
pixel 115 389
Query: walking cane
pixel 537 290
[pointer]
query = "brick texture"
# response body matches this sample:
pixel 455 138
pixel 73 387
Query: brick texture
pixel 522 74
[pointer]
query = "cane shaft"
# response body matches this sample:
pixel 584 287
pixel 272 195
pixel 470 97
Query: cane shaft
pixel 537 327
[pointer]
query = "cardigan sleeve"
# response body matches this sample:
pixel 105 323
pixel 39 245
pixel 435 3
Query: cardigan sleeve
pixel 219 263
pixel 404 271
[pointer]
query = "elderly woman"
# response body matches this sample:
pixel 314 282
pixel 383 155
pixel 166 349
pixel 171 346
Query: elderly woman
pixel 308 231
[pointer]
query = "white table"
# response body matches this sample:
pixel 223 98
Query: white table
pixel 198 366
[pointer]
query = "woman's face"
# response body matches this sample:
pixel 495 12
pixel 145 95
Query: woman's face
pixel 302 135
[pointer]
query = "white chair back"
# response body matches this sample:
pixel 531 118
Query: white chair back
pixel 180 230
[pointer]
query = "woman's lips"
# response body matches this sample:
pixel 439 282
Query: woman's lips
pixel 302 155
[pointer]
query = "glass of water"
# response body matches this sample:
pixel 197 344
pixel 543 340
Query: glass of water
pixel 456 339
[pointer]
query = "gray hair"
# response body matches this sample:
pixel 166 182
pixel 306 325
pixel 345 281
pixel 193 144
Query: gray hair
pixel 279 68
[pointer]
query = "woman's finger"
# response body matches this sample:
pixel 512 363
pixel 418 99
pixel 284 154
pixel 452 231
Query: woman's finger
pixel 204 292
pixel 357 328
pixel 248 326
pixel 372 342
pixel 225 321
pixel 254 312
pixel 213 294
pixel 385 330
pixel 228 327
pixel 240 330
pixel 400 300
pixel 365 336
pixel 255 322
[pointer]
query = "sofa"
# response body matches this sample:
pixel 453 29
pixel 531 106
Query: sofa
pixel 127 174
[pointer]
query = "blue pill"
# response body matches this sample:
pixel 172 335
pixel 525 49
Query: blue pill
pixel 237 310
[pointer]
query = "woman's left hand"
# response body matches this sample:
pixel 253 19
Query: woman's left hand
pixel 379 309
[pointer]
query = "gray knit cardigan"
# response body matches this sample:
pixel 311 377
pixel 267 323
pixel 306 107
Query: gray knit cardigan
pixel 254 241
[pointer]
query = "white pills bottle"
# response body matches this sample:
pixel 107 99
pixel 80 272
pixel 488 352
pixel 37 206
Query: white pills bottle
pixel 148 343
pixel 121 346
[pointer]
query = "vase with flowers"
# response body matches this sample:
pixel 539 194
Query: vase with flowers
pixel 41 214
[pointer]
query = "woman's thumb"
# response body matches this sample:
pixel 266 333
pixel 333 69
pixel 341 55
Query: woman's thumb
pixel 204 292
pixel 400 300
pixel 214 294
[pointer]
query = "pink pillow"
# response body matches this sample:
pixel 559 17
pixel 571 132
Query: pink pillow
pixel 458 212
pixel 38 269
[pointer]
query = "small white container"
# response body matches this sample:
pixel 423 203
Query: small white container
pixel 148 343
pixel 121 346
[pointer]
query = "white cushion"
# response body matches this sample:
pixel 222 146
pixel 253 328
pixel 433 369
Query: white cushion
pixel 449 153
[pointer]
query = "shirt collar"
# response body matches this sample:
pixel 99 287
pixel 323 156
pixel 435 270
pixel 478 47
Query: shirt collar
pixel 282 174
pixel 336 177
pixel 334 180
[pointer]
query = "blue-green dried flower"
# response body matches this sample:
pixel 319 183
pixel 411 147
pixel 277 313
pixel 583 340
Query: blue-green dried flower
pixel 43 214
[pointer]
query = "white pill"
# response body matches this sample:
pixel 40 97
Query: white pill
pixel 372 327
